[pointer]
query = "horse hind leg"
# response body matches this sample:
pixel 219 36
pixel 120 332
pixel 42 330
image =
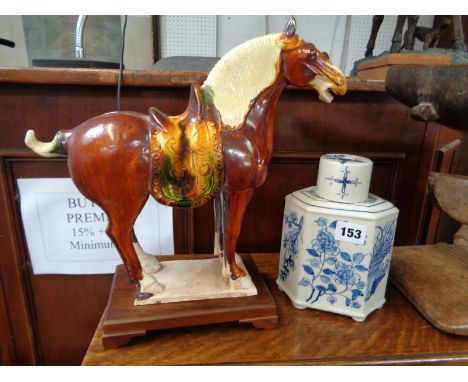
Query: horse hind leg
pixel 122 217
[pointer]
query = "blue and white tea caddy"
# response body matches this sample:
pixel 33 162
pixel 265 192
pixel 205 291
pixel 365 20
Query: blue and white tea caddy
pixel 337 241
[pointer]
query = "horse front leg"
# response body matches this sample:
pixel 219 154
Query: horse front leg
pixel 234 204
pixel 218 218
pixel 458 36
pixel 410 32
pixel 397 35
pixel 376 23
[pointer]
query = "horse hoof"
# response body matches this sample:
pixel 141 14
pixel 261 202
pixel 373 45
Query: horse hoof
pixel 153 288
pixel 237 273
pixel 150 285
pixel 140 296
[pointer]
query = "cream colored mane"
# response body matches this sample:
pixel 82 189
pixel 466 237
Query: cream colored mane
pixel 241 75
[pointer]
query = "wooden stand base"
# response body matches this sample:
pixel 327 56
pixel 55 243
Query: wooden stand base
pixel 123 320
pixel 434 279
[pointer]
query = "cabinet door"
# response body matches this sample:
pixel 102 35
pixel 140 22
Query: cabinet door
pixel 59 312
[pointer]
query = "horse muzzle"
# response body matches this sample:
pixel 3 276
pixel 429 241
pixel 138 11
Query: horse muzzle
pixel 329 80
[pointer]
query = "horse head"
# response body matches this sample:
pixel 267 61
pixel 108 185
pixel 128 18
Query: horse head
pixel 302 64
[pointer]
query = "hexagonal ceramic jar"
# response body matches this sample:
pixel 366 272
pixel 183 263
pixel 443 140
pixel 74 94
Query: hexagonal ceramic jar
pixel 335 255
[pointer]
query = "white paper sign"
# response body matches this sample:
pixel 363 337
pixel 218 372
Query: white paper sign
pixel 350 232
pixel 65 232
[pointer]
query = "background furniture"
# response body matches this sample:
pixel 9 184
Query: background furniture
pixel 50 319
pixel 395 335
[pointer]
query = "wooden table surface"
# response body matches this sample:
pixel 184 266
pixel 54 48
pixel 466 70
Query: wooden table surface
pixel 396 334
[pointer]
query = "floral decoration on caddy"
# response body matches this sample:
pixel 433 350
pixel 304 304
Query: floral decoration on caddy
pixel 380 260
pixel 332 272
pixel 290 243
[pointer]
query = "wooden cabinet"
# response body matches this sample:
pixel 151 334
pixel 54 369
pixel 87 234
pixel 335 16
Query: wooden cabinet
pixel 50 319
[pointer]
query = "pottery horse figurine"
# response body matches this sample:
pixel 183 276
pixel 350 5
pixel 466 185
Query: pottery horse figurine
pixel 220 147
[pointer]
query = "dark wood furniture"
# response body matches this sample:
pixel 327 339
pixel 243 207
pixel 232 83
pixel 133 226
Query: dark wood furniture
pixel 395 335
pixel 50 319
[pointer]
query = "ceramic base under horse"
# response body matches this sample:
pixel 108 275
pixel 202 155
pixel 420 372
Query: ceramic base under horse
pixel 220 147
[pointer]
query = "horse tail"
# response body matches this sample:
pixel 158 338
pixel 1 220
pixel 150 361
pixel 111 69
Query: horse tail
pixel 55 148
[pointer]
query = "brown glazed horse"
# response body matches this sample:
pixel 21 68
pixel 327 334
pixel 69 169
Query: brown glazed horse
pixel 220 147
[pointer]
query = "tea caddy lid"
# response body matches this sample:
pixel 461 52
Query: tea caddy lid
pixel 372 206
pixel 344 178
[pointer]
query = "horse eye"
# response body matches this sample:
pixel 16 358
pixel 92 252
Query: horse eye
pixel 313 55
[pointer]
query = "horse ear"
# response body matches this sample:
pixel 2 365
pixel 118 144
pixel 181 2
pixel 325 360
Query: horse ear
pixel 290 28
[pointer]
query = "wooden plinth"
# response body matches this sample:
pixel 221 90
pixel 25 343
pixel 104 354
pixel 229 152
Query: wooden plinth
pixel 435 279
pixel 377 68
pixel 123 320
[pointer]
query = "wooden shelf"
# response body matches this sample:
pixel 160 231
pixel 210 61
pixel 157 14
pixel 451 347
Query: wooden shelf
pixel 158 78
pixel 396 334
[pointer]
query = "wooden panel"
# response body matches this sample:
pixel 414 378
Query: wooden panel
pixel 261 231
pixel 439 227
pixel 65 308
pixel 16 289
pixel 109 77
pixel 363 122
pixel 43 309
pixel 7 350
pixel 47 109
pixel 357 122
pixel 99 77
